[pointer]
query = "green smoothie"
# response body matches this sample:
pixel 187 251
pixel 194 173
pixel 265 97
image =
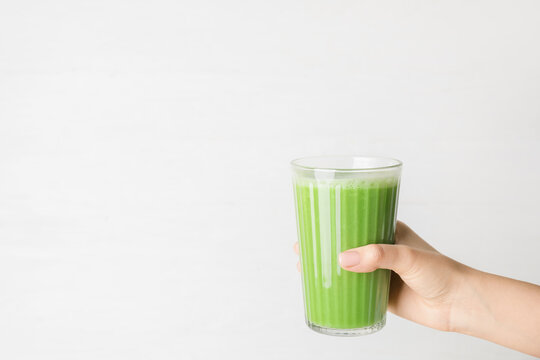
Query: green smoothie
pixel 334 216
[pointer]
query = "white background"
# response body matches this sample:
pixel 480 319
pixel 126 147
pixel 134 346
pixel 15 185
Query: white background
pixel 146 210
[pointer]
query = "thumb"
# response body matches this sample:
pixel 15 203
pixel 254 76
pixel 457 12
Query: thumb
pixel 400 258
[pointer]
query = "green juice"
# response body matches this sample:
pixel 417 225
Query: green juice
pixel 334 216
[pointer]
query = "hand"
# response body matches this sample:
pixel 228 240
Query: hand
pixel 434 290
pixel 425 288
pixel 424 283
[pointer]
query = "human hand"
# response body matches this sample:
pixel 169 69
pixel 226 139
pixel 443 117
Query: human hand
pixel 424 282
pixel 434 290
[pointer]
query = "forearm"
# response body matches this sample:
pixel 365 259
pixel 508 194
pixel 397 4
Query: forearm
pixel 499 309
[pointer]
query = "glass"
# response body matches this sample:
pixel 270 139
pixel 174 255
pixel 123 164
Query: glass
pixel 344 202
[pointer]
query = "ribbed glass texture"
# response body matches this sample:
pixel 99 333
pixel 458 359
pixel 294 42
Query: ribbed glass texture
pixel 340 209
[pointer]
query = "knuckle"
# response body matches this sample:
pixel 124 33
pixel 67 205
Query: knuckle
pixel 408 258
pixel 375 253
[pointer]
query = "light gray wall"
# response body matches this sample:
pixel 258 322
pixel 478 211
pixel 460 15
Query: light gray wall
pixel 146 209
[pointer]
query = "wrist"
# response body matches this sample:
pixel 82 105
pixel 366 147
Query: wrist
pixel 470 313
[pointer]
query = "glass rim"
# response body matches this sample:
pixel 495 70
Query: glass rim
pixel 395 163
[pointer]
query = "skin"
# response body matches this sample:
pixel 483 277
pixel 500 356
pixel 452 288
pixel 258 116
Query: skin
pixel 433 290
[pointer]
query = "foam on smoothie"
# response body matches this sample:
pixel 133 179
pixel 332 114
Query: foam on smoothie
pixel 349 183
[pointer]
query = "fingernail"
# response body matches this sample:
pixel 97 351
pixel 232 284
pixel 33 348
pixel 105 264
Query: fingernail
pixel 349 258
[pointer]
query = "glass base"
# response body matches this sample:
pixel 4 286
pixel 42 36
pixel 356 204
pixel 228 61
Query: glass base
pixel 348 332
